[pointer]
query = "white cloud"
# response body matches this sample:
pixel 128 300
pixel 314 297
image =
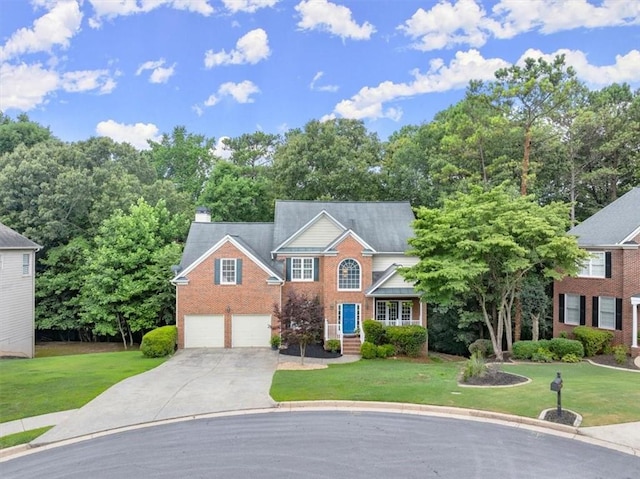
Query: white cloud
pixel 110 9
pixel 221 150
pixel 369 102
pixel 240 92
pixel 136 134
pixel 159 73
pixel 314 87
pixel 56 27
pixel 335 19
pixel 249 6
pixel 251 48
pixel 465 22
pixel 625 69
pixel 86 80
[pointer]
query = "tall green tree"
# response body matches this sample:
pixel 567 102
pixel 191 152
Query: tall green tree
pixel 21 131
pixel 481 245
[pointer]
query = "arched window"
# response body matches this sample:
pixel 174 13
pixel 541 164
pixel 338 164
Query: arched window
pixel 349 275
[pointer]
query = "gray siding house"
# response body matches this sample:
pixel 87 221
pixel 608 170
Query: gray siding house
pixel 17 293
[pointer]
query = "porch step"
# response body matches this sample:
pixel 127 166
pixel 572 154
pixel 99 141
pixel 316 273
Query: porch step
pixel 351 345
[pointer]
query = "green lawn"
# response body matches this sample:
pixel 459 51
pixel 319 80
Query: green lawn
pixel 600 395
pixel 22 437
pixel 30 387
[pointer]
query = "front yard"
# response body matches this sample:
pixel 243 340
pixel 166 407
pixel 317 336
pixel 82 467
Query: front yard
pixel 602 396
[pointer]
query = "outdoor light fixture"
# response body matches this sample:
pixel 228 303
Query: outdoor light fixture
pixel 228 309
pixel 556 386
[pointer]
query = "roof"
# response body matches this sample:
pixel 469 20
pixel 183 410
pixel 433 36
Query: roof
pixel 10 239
pixel 612 225
pixel 256 237
pixel 386 226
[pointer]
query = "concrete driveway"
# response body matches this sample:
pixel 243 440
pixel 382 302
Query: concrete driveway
pixel 193 381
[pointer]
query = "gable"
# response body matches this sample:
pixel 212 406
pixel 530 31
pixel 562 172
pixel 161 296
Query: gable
pixel 318 235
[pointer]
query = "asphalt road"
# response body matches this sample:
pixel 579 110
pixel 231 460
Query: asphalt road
pixel 326 444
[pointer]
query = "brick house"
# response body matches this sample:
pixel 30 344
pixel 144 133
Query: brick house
pixel 606 293
pixel 231 275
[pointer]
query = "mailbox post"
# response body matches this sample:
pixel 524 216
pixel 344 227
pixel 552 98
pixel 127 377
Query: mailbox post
pixel 556 386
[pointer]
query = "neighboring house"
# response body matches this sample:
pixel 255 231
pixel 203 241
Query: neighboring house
pixel 17 294
pixel 347 253
pixel 606 293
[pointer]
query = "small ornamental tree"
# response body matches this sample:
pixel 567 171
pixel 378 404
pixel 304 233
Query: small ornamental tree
pixel 301 320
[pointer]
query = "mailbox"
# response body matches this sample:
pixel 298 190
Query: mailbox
pixel 556 384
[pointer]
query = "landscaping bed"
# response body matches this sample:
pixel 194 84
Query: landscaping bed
pixel 312 351
pixel 609 360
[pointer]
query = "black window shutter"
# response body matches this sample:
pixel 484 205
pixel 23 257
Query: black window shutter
pixel 287 269
pixel 583 316
pixel 607 264
pixel 239 271
pixel 594 312
pixel 619 314
pixel 316 269
pixel 216 271
pixel 561 308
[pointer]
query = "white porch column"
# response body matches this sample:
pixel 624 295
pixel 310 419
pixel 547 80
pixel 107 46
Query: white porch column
pixel 635 302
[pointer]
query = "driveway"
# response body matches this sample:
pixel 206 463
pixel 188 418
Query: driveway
pixel 193 381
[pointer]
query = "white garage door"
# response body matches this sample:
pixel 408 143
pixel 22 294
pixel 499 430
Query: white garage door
pixel 250 330
pixel 204 331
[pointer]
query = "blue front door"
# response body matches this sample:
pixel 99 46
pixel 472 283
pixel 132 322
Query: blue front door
pixel 348 318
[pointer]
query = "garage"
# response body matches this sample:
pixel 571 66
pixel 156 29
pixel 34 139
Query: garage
pixel 204 331
pixel 251 330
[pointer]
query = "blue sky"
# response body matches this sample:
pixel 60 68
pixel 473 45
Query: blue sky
pixel 134 69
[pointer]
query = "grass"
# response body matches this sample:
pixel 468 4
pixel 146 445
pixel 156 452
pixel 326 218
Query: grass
pixel 30 387
pixel 602 396
pixel 22 437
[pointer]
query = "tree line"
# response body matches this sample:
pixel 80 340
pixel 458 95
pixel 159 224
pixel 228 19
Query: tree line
pixel 111 218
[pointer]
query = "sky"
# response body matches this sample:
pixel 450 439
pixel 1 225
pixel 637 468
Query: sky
pixel 133 70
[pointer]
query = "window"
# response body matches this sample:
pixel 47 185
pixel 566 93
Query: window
pixel 349 275
pixel 594 267
pixel 394 313
pixel 302 269
pixel 607 313
pixel 228 271
pixel 572 309
pixel 26 265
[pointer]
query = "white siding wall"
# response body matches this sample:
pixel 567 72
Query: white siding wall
pixel 16 304
pixel 381 263
pixel 319 234
pixel 397 281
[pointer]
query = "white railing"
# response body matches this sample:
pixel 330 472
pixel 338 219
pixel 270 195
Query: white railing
pixel 331 331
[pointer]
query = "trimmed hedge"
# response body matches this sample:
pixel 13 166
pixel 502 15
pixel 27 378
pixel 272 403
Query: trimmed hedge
pixel 407 340
pixel 374 331
pixel 368 350
pixel 385 351
pixel 481 346
pixel 159 342
pixel 558 347
pixel 595 341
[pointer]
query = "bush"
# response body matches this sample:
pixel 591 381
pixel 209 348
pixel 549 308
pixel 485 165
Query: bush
pixel 560 347
pixel 368 350
pixel 159 342
pixel 482 346
pixel 275 341
pixel 571 358
pixel 332 345
pixel 474 367
pixel 374 331
pixel 620 353
pixel 526 349
pixel 407 340
pixel 542 355
pixel 595 341
pixel 385 350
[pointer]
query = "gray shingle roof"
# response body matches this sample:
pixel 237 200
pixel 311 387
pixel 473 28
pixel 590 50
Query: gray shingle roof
pixel 10 239
pixel 386 226
pixel 612 224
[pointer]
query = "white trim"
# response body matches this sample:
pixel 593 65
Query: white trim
pixel 235 271
pixel 633 234
pixel 600 325
pixel 589 264
pixel 215 247
pixel 302 279
pixel 355 236
pixel 338 288
pixel 300 231
pixel 635 303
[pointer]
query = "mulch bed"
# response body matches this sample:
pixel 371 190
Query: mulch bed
pixel 495 378
pixel 312 351
pixel 567 418
pixel 609 360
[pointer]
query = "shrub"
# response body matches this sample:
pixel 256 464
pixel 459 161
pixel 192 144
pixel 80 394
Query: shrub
pixel 571 358
pixel 385 350
pixel 374 331
pixel 563 334
pixel 482 346
pixel 560 347
pixel 594 340
pixel 332 345
pixel 526 349
pixel 368 350
pixel 474 367
pixel 542 355
pixel 159 342
pixel 620 353
pixel 407 340
pixel 275 341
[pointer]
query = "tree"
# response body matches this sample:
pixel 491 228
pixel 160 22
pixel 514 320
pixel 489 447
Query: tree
pixel 20 132
pixel 480 246
pixel 301 320
pixel 126 288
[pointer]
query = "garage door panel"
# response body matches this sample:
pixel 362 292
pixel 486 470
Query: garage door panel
pixel 251 330
pixel 204 331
